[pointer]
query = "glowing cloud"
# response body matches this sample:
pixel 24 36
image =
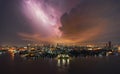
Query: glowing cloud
pixel 79 25
pixel 43 16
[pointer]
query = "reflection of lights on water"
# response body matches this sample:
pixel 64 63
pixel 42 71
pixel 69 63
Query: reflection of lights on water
pixel 12 56
pixel 58 62
pixel 68 61
pixel 12 53
pixel 63 62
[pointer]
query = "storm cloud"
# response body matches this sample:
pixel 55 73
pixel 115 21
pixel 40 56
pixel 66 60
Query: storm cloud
pixel 92 20
pixel 81 20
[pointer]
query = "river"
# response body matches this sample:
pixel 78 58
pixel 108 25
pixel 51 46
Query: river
pixel 13 64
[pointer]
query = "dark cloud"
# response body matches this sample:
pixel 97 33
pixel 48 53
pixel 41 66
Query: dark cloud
pixel 84 20
pixel 101 15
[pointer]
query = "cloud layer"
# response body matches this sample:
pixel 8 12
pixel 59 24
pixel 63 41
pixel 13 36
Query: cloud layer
pixel 92 20
pixel 59 21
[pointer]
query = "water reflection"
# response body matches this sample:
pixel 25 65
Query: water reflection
pixel 12 54
pixel 63 64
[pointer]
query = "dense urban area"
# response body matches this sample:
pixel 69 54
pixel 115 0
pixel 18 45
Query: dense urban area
pixel 60 51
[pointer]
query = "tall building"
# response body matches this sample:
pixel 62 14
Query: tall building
pixel 109 45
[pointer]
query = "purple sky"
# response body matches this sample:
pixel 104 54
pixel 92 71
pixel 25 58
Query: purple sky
pixel 67 21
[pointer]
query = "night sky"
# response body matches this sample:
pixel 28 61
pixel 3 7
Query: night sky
pixel 59 21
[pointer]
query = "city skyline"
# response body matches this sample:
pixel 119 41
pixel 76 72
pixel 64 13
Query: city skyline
pixel 63 21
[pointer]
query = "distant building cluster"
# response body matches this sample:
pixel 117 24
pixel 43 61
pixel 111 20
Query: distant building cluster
pixel 60 51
